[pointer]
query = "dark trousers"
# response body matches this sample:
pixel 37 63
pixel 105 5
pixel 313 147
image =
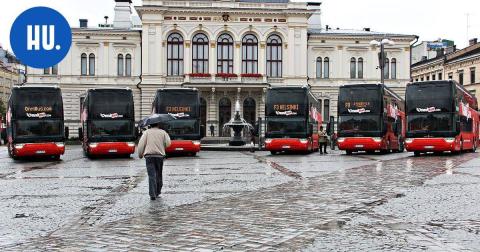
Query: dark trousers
pixel 155 180
pixel 324 146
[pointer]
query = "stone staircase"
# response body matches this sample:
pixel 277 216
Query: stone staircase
pixel 215 140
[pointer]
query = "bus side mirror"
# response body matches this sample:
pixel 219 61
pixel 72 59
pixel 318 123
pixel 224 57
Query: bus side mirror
pixel 80 134
pixel 67 132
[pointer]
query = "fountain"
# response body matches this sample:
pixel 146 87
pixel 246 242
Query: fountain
pixel 237 124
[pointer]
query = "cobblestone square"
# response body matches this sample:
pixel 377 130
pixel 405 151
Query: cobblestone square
pixel 242 201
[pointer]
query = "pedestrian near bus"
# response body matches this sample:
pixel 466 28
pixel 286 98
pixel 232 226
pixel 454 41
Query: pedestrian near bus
pixel 323 140
pixel 152 146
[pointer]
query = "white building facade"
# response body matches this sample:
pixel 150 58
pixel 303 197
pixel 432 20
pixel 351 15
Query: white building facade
pixel 229 50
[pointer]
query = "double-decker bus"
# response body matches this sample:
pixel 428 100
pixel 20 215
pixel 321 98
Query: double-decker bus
pixel 35 122
pixel 293 120
pixel 184 105
pixel 108 123
pixel 442 116
pixel 371 118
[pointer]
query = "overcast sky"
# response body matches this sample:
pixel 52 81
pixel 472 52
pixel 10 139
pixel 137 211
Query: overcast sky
pixel 430 19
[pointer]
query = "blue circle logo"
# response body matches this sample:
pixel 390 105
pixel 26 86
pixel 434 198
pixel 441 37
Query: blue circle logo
pixel 40 37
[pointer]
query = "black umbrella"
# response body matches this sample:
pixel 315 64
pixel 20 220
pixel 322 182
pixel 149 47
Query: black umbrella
pixel 156 119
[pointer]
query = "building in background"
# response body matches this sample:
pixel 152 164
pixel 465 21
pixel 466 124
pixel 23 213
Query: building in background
pixel 231 51
pixel 11 73
pixel 427 50
pixel 462 66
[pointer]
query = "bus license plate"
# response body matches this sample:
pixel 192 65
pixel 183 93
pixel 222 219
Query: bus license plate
pixel 40 152
pixel 112 151
pixel 286 147
pixel 178 149
pixel 429 147
pixel 359 146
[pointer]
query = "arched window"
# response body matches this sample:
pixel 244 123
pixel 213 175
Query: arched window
pixel 83 64
pixel 394 69
pixel 360 68
pixel 224 114
pixel 353 68
pixel 250 54
pixel 225 54
pixel 326 110
pixel 120 65
pixel 249 110
pixel 128 65
pixel 175 55
pixel 91 64
pixel 326 68
pixel 386 70
pixel 55 69
pixel 319 68
pixel 274 56
pixel 200 53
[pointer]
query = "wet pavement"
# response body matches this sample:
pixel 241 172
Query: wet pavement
pixel 237 201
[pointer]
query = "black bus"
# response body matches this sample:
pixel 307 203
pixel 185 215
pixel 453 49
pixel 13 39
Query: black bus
pixel 108 122
pixel 183 104
pixel 442 116
pixel 371 117
pixel 293 120
pixel 35 122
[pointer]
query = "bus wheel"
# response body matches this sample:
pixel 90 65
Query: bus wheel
pixel 56 157
pixel 416 153
pixel 349 152
pixel 273 152
pixel 193 154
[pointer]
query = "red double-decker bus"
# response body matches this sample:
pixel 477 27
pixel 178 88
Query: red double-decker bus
pixel 108 123
pixel 442 116
pixel 371 118
pixel 293 120
pixel 184 105
pixel 35 122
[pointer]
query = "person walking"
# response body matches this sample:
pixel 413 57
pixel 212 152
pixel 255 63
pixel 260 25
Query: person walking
pixel 152 146
pixel 323 140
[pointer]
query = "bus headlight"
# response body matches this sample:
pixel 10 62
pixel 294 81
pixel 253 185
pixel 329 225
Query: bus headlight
pixel 341 140
pixel 377 139
pixel 196 142
pixel 93 145
pixel 268 140
pixel 449 140
pixel 131 144
pixel 303 141
pixel 409 140
pixel 60 145
pixel 19 146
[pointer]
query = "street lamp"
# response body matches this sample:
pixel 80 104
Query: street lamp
pixel 382 55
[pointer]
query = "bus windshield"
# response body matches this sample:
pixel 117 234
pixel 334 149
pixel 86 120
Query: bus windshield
pixel 430 122
pixel 359 123
pixel 37 128
pixel 430 98
pixel 111 128
pixel 286 126
pixel 360 100
pixel 115 104
pixel 182 127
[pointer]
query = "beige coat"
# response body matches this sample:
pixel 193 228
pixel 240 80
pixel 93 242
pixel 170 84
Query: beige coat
pixel 153 142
